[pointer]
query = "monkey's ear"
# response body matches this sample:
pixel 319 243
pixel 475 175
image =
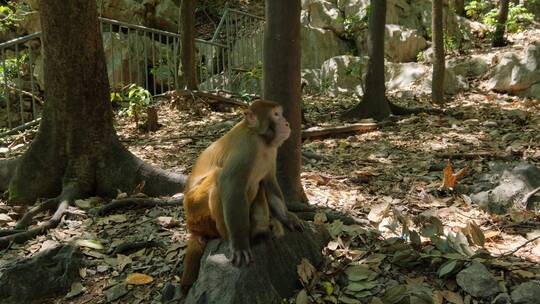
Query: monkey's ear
pixel 251 118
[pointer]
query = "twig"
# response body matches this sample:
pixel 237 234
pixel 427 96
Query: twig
pixel 526 198
pixel 137 203
pixel 354 128
pixel 520 247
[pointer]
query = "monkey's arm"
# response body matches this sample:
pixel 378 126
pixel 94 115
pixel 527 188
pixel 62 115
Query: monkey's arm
pixel 277 203
pixel 232 185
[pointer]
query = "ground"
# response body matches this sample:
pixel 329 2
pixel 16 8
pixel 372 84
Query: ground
pixel 399 165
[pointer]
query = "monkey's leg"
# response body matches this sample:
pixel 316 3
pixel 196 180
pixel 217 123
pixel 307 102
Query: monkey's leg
pixel 260 216
pixel 194 252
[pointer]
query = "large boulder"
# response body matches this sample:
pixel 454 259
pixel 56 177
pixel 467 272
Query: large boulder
pixel 319 45
pixel 517 72
pixel 513 184
pixel 342 75
pixel 353 8
pixel 270 278
pixel 323 14
pixel 311 80
pixel 470 66
pixel 402 44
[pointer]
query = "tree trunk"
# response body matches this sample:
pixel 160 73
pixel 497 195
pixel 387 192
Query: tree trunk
pixel 437 85
pixel 498 36
pixel 188 77
pixel 374 103
pixel 281 83
pixel 459 6
pixel 76 152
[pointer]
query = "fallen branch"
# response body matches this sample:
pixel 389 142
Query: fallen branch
pixel 138 203
pixel 526 198
pixel 520 247
pixel 474 155
pixel 130 247
pixel 354 128
pixel 217 98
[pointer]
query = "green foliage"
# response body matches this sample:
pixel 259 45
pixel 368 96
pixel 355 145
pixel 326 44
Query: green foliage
pixel 134 99
pixel 12 15
pixel 518 18
pixel 477 8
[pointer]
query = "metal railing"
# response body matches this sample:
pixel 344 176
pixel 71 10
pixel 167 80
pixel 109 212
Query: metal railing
pixel 134 54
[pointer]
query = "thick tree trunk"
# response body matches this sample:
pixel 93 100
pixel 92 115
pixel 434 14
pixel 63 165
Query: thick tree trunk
pixel 498 36
pixel 437 84
pixel 76 152
pixel 188 78
pixel 281 83
pixel 459 6
pixel 374 103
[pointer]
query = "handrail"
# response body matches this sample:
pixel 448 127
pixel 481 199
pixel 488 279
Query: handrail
pixel 19 40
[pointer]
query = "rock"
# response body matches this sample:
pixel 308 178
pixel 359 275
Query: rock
pixel 502 298
pixel 130 11
pixel 342 75
pixel 324 14
pixel 115 292
pixel 47 273
pixel 517 72
pixel 470 66
pixel 318 45
pixel 170 292
pixel 269 279
pixel 404 76
pixel 513 184
pixel 312 80
pixel 353 8
pixel 526 293
pixel 401 44
pixel 477 281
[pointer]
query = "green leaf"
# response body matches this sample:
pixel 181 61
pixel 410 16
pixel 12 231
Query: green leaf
pixel 447 268
pixel 394 294
pixel 360 286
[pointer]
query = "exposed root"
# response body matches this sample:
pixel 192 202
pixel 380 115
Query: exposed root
pixel 138 203
pixel 22 237
pixel 70 192
pixel 400 111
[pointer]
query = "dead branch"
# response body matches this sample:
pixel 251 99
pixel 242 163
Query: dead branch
pixel 209 97
pixel 519 247
pixel 138 203
pixel 354 128
pixel 526 198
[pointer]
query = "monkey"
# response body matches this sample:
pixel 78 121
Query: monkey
pixel 232 191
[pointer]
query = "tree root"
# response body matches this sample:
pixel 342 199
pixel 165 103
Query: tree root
pixel 60 204
pixel 138 203
pixel 22 237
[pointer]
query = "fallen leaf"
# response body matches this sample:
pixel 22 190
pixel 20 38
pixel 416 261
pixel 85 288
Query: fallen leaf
pixel 452 297
pixel 138 279
pixel 305 270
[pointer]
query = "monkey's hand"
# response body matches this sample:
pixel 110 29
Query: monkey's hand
pixel 241 256
pixel 293 222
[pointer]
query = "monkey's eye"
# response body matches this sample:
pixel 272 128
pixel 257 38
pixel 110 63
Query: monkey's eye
pixel 276 114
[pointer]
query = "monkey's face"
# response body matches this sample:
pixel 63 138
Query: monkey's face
pixel 280 126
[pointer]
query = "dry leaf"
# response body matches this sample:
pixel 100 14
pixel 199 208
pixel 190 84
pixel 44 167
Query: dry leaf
pixel 449 178
pixel 139 279
pixel 305 271
pixel 452 297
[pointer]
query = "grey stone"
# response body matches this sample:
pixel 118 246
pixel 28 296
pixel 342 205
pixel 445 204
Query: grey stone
pixel 477 281
pixel 47 273
pixel 402 44
pixel 526 293
pixel 269 279
pixel 342 75
pixel 318 45
pixel 502 298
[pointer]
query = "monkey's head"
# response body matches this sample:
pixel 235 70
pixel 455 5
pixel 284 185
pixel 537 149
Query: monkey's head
pixel 266 119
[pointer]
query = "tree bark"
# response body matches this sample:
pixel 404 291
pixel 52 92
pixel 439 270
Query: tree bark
pixel 281 83
pixel 459 6
pixel 437 84
pixel 374 103
pixel 188 77
pixel 76 152
pixel 498 36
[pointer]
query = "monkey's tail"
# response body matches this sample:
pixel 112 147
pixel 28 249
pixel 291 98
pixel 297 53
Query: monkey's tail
pixel 194 252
